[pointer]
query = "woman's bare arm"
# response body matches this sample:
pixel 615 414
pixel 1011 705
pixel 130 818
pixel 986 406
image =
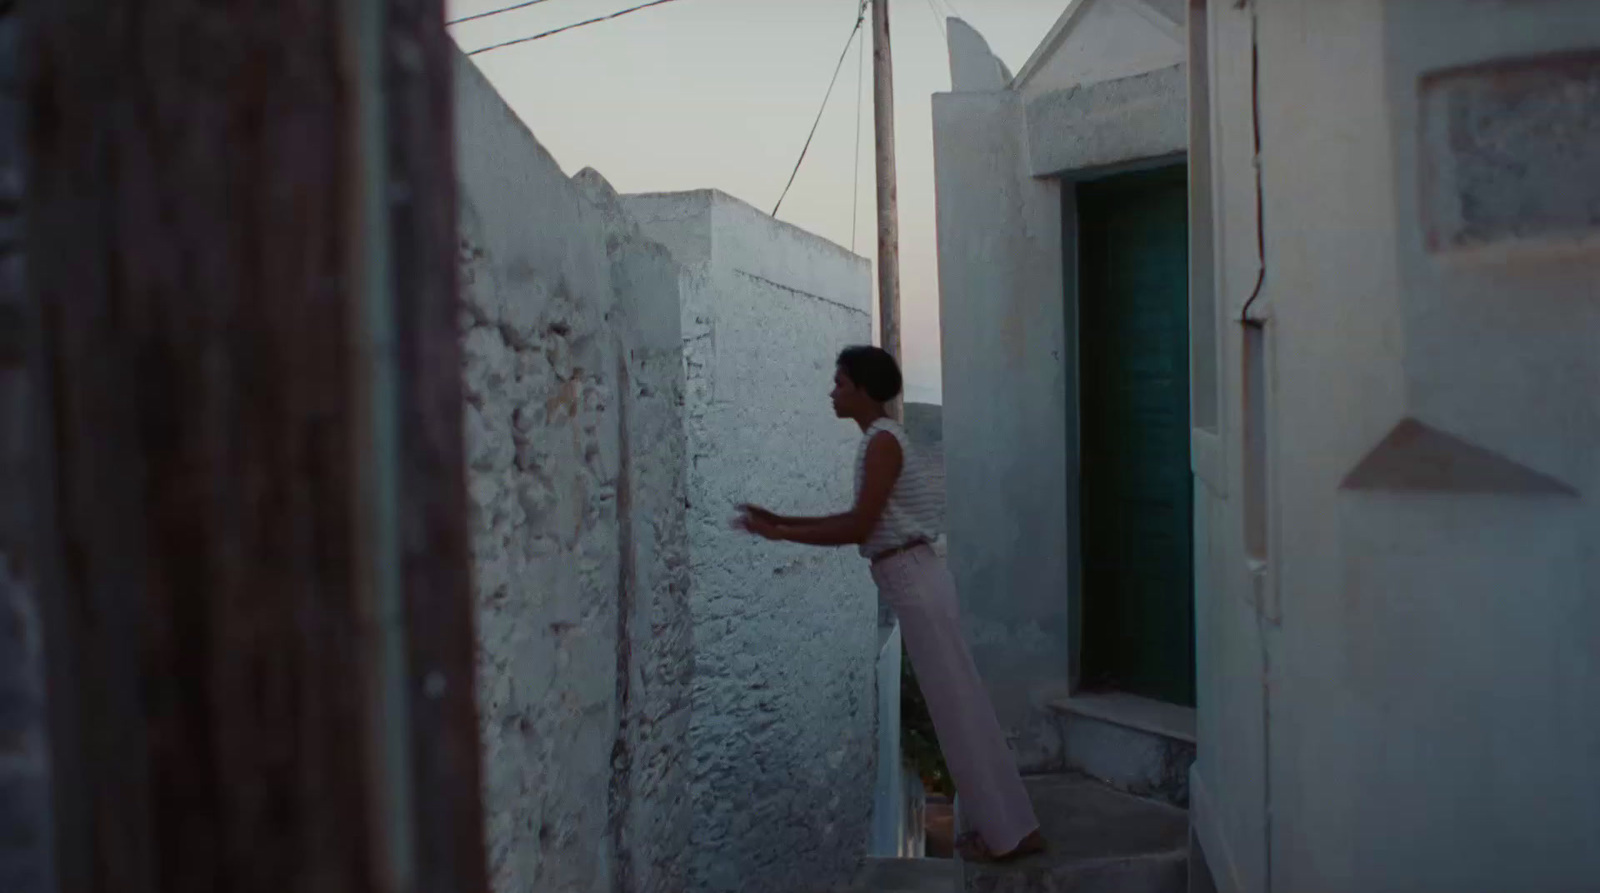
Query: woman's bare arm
pixel 783 520
pixel 883 463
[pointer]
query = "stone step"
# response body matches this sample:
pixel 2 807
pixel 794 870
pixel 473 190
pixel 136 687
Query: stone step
pixel 1134 744
pixel 1101 840
pixel 907 876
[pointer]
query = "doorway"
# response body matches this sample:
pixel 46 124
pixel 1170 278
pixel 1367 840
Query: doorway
pixel 1136 517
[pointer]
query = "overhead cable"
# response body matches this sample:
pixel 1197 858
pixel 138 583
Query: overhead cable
pixel 555 31
pixel 938 19
pixel 494 12
pixel 861 14
pixel 855 188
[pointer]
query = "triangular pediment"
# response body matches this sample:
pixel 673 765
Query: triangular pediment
pixel 1105 40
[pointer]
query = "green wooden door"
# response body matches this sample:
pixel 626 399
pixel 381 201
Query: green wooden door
pixel 1133 385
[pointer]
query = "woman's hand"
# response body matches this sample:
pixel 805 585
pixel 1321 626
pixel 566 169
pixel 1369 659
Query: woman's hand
pixel 756 511
pixel 758 521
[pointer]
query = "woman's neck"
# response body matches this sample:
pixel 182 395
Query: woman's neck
pixel 867 420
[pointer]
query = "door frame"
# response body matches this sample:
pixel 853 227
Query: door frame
pixel 1072 368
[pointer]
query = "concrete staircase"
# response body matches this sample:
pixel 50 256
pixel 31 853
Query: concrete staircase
pixel 907 876
pixel 1134 744
pixel 1102 840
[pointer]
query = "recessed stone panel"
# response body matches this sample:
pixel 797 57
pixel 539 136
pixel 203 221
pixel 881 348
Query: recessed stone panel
pixel 1510 152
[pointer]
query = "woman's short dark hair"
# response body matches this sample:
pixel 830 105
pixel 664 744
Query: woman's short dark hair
pixel 873 370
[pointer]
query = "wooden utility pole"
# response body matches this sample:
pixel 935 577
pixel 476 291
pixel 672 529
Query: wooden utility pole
pixel 888 200
pixel 251 512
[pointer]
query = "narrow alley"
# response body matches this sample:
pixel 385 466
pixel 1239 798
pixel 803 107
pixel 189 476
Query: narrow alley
pixel 368 471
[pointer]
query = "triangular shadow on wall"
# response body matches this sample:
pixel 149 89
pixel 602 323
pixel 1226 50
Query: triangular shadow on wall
pixel 1419 458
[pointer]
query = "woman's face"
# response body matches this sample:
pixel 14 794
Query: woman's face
pixel 847 398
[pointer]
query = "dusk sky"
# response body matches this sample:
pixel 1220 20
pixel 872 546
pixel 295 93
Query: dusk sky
pixel 721 93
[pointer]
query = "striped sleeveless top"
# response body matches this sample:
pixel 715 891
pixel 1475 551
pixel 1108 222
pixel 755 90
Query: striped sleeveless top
pixel 912 512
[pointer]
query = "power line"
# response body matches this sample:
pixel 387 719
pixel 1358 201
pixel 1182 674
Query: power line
pixel 861 14
pixel 554 31
pixel 855 188
pixel 938 19
pixel 493 12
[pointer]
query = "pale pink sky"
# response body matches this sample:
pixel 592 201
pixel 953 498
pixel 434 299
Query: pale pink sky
pixel 720 93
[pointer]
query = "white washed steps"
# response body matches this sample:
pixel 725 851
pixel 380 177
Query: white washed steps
pixel 1101 840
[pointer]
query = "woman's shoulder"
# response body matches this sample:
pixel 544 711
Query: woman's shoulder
pixel 891 428
pixel 888 425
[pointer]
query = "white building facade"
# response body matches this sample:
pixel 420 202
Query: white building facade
pixel 783 720
pixel 665 704
pixel 1062 278
pixel 1398 619
pixel 1390 313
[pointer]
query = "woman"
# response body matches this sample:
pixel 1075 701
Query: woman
pixel 894 522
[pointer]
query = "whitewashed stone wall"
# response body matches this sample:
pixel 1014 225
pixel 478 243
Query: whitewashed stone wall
pixel 577 442
pixel 785 636
pixel 576 451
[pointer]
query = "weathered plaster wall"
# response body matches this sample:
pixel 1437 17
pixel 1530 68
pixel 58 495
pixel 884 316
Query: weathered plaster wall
pixel 577 452
pixel 1108 123
pixel 924 422
pixel 785 636
pixel 25 817
pixel 1423 620
pixel 1107 87
pixel 1231 762
pixel 576 449
pixel 1005 164
pixel 1105 40
pixel 1007 355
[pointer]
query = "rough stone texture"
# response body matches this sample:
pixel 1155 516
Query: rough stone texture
pixel 652 758
pixel 1109 123
pixel 1136 761
pixel 1509 150
pixel 25 823
pixel 576 462
pixel 785 636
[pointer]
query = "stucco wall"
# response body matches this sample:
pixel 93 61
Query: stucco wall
pixel 1007 357
pixel 25 817
pixel 1008 293
pixel 1423 625
pixel 1110 123
pixel 1106 87
pixel 924 423
pixel 1231 717
pixel 1105 92
pixel 576 452
pixel 785 636
pixel 1105 40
